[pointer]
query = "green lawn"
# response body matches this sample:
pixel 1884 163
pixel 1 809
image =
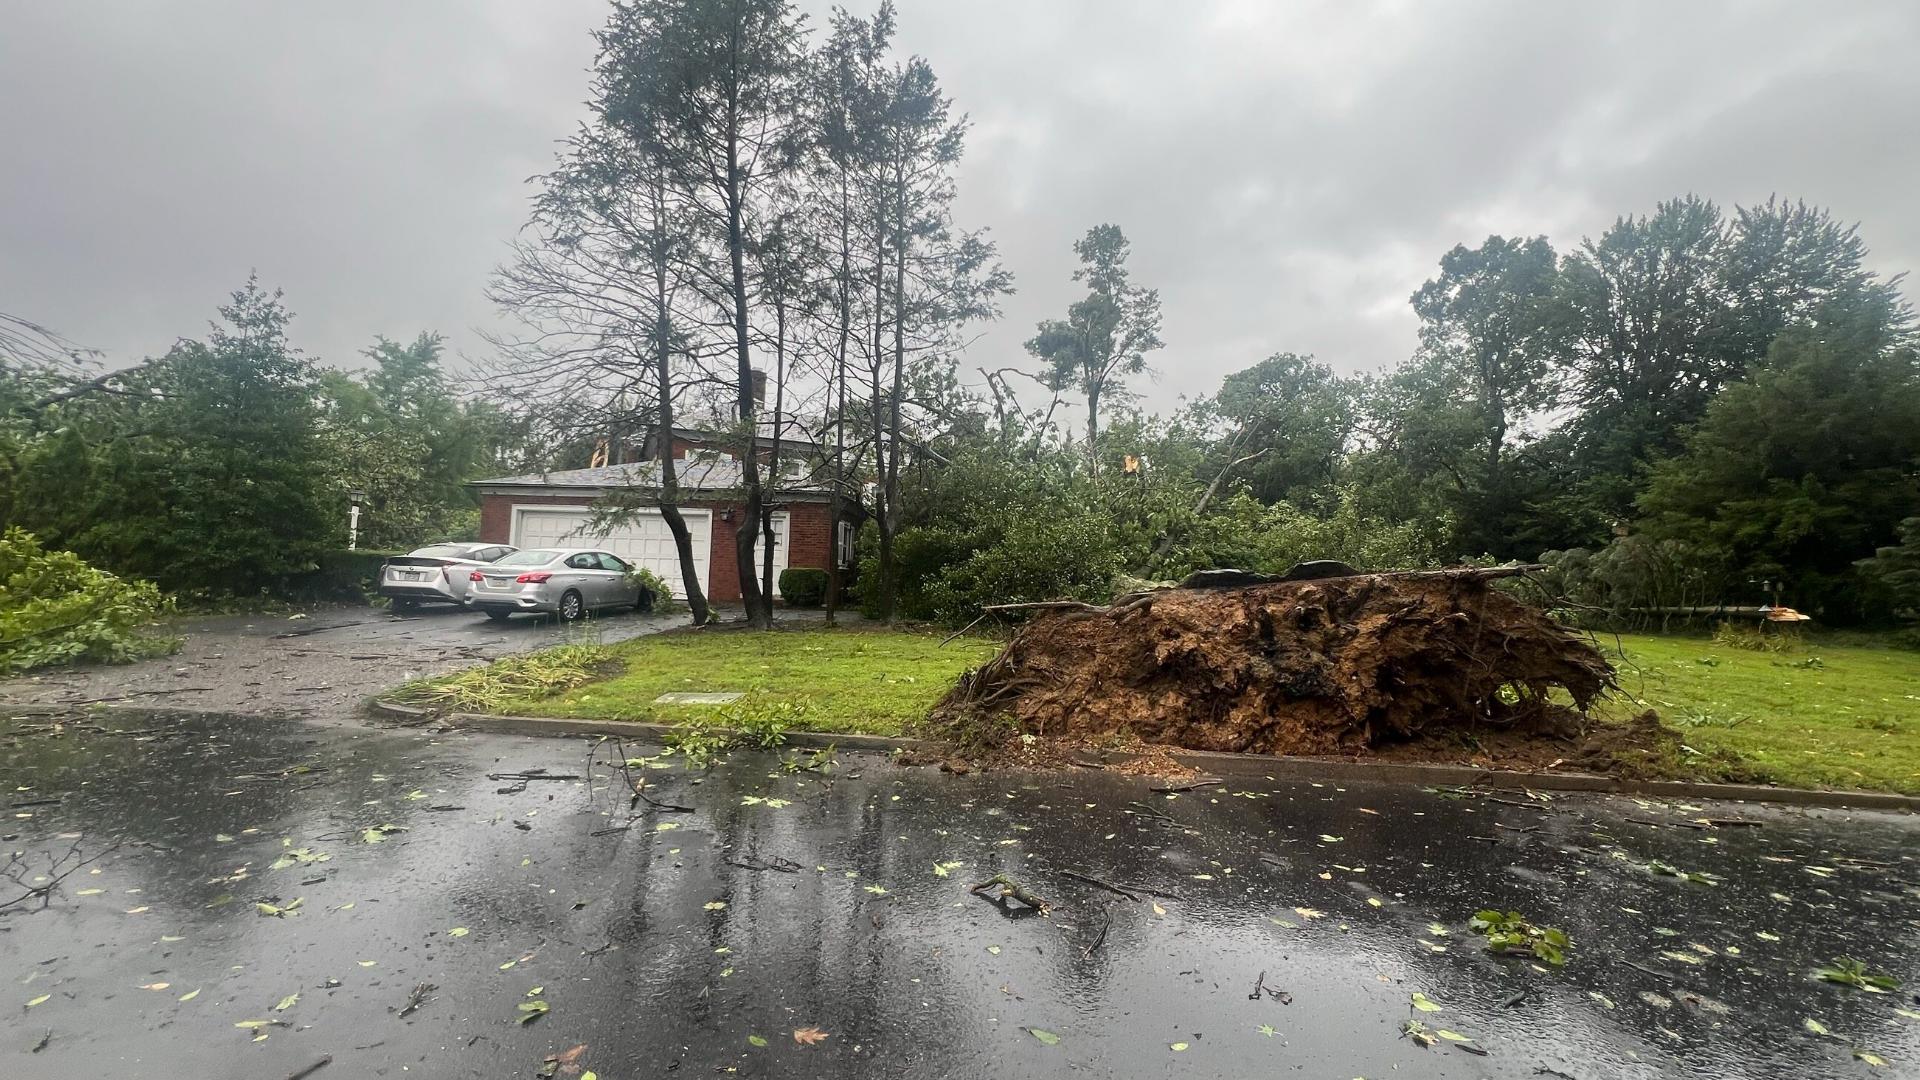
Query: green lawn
pixel 862 680
pixel 1830 713
pixel 1825 714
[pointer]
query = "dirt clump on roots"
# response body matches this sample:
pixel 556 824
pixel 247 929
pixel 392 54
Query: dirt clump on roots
pixel 1330 666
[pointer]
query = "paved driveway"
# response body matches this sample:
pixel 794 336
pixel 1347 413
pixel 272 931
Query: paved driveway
pixel 1281 928
pixel 323 666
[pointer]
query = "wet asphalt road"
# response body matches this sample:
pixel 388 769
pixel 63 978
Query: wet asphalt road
pixel 321 666
pixel 672 944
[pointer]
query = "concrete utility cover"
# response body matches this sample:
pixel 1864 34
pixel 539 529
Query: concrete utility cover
pixel 678 697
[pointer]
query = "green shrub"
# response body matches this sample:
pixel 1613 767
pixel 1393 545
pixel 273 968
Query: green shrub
pixel 55 609
pixel 342 575
pixel 654 584
pixel 803 586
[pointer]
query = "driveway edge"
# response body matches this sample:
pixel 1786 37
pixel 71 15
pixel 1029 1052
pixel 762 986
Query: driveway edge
pixel 1246 766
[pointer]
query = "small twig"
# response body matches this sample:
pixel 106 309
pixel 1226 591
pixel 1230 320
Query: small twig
pixel 139 693
pixel 1676 824
pixel 1259 987
pixel 417 998
pixel 1643 969
pixel 1155 812
pixel 1485 839
pixel 313 1068
pixel 1190 786
pixel 778 865
pixel 962 630
pixel 1107 885
pixel 1102 939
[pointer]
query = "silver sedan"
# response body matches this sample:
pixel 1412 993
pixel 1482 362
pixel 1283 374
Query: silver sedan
pixel 568 582
pixel 435 574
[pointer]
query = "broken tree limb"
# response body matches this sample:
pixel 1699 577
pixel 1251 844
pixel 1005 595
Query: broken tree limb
pixel 1011 889
pixel 1191 785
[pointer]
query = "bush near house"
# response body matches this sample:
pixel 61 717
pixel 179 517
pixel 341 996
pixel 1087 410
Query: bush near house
pixel 55 609
pixel 804 586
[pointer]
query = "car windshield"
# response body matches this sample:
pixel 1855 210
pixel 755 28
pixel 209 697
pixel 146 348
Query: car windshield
pixel 534 557
pixel 444 551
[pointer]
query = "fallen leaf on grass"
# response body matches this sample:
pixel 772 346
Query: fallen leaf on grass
pixel 809 1036
pixel 1046 1037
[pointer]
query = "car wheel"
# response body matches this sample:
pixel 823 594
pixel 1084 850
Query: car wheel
pixel 572 607
pixel 644 603
pixel 498 616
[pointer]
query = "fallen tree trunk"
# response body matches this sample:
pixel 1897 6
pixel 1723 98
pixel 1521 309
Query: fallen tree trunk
pixel 1327 664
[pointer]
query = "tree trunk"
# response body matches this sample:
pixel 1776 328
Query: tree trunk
pixel 891 481
pixel 743 372
pixel 836 504
pixel 882 501
pixel 1093 428
pixel 691 588
pixel 773 463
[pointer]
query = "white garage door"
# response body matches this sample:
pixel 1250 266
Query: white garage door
pixel 645 540
pixel 779 549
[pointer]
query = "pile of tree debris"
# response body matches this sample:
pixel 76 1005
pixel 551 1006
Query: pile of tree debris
pixel 1321 660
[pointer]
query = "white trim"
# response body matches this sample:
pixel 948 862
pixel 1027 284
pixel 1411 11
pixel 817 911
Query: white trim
pixel 520 509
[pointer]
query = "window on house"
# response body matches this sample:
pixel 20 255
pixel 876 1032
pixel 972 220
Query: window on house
pixel 843 543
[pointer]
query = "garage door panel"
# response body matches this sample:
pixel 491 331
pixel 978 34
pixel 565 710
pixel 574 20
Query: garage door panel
pixel 644 539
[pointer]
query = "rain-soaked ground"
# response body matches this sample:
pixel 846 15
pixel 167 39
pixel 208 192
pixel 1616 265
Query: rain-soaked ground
pixel 320 665
pixel 226 911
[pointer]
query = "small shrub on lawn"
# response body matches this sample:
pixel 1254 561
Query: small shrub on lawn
pixel 56 609
pixel 485 689
pixel 804 586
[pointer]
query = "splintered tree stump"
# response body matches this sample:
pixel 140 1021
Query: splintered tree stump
pixel 1321 666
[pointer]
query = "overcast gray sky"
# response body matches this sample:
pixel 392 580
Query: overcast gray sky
pixel 1288 172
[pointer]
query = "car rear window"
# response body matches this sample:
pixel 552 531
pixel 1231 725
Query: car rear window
pixel 441 551
pixel 531 557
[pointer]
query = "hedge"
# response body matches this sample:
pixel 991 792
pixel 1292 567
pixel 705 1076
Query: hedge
pixel 803 586
pixel 341 575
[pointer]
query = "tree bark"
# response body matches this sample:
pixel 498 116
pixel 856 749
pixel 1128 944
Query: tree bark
pixel 743 366
pixel 836 499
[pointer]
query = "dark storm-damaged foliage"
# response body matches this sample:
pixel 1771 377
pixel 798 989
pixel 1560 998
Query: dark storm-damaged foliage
pixel 55 609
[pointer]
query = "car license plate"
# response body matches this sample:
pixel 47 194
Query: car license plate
pixel 411 575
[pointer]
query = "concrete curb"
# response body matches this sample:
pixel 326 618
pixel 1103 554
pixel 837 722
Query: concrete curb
pixel 1248 766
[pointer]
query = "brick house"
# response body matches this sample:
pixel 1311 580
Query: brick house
pixel 554 509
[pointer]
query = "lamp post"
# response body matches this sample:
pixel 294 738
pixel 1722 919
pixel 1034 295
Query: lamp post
pixel 355 497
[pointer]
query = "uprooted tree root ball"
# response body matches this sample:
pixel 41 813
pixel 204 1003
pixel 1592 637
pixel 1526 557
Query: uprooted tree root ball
pixel 1327 666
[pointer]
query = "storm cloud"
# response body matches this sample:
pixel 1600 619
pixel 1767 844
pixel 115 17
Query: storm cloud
pixel 1287 172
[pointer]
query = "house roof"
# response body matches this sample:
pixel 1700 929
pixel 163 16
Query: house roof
pixel 694 473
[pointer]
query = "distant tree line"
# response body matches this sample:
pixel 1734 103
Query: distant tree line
pixel 222 467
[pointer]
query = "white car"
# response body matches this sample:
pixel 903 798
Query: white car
pixel 568 582
pixel 435 574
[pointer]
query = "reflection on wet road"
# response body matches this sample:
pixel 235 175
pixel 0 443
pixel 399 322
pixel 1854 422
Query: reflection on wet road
pixel 307 884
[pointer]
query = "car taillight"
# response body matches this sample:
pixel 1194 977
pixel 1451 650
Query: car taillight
pixel 445 573
pixel 476 576
pixel 534 578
